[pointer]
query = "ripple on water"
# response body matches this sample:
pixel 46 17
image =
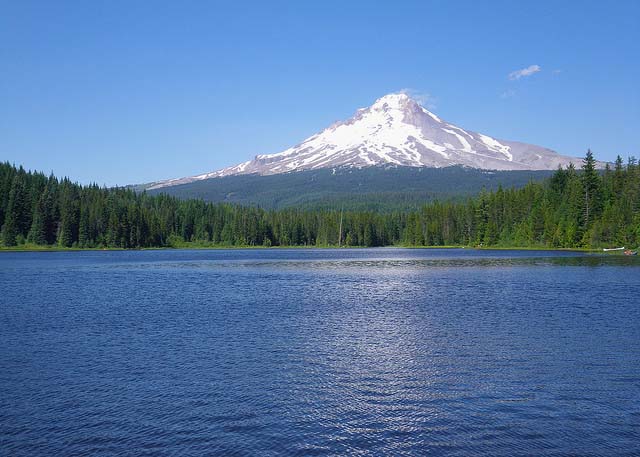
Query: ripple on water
pixel 362 352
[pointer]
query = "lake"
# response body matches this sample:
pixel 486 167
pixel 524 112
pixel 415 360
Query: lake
pixel 319 352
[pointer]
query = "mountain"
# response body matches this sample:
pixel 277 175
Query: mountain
pixel 395 130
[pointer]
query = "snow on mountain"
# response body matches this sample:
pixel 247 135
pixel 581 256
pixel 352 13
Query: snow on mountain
pixel 395 130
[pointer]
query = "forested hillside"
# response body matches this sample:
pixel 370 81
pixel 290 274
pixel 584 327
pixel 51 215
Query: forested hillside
pixel 573 208
pixel 382 188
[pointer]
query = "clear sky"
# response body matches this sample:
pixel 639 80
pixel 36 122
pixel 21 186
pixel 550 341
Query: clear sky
pixel 119 92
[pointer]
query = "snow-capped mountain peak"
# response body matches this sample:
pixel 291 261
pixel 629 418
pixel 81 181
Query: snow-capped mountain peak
pixel 395 130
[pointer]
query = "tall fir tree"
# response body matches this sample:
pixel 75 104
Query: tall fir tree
pixel 591 185
pixel 18 218
pixel 38 230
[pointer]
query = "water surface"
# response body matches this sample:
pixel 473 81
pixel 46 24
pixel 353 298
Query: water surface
pixel 319 352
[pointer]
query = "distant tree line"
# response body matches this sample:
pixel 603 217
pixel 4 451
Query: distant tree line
pixel 573 208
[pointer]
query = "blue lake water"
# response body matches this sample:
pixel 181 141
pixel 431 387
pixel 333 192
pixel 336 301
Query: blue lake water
pixel 319 352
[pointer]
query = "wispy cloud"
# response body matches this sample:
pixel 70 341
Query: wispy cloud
pixel 556 72
pixel 425 99
pixel 530 70
pixel 508 93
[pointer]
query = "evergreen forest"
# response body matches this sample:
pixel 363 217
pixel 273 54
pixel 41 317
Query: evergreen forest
pixel 576 207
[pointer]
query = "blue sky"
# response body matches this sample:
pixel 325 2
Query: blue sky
pixel 119 92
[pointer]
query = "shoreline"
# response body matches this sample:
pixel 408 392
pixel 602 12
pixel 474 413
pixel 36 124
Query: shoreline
pixel 220 248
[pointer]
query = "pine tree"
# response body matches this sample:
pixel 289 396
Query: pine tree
pixel 68 228
pixel 83 228
pixel 38 232
pixel 17 220
pixel 618 178
pixel 591 185
pixel 9 232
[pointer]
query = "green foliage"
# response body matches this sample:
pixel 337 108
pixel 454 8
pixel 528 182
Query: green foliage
pixel 570 209
pixel 591 188
pixel 17 215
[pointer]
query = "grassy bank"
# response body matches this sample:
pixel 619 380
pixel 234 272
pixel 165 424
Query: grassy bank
pixel 51 248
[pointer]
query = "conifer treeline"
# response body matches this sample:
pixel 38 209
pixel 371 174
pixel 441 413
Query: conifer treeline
pixel 574 208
